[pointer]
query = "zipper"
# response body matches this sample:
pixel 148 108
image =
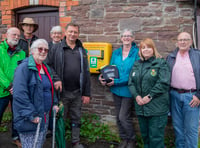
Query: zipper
pixel 141 77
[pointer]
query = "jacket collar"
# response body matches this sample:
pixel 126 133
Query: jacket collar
pixel 6 46
pixel 132 50
pixel 174 53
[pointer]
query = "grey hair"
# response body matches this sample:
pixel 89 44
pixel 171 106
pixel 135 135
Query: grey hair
pixel 129 30
pixel 37 42
pixel 11 29
pixel 56 28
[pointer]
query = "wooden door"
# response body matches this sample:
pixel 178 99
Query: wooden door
pixel 45 17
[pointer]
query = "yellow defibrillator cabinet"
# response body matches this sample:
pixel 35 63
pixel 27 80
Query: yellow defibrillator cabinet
pixel 99 54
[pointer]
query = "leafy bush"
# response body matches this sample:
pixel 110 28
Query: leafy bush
pixel 92 129
pixel 7 117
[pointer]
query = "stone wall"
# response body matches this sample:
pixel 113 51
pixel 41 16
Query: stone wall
pixel 103 20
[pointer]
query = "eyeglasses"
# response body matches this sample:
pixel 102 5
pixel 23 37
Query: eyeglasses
pixel 183 40
pixel 128 36
pixel 57 33
pixel 40 49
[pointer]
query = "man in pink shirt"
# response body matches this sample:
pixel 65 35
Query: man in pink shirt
pixel 184 63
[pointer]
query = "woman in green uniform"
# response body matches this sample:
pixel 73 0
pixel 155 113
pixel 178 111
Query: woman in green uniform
pixel 149 83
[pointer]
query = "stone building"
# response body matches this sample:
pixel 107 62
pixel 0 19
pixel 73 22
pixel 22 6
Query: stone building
pixel 102 21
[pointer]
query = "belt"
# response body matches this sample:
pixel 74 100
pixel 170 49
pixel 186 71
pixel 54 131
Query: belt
pixel 180 91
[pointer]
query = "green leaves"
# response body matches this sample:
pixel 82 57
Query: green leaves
pixel 7 117
pixel 92 129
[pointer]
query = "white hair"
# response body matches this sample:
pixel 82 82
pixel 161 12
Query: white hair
pixel 56 28
pixel 37 42
pixel 129 30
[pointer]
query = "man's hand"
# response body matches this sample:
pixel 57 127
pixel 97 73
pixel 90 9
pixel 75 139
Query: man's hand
pixel 85 99
pixel 58 85
pixel 195 101
pixel 11 90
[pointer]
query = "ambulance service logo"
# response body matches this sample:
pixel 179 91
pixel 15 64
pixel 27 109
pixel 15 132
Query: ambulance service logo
pixel 153 72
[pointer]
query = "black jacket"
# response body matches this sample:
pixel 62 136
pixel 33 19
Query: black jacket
pixel 24 44
pixel 55 59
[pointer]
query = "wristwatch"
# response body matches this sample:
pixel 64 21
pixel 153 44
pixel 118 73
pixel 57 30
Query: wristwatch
pixel 149 96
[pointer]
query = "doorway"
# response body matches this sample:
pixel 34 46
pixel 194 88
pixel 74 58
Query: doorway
pixel 46 17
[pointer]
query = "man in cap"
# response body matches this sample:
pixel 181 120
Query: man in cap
pixel 10 55
pixel 28 27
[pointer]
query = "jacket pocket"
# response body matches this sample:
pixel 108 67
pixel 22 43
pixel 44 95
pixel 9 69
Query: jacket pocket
pixel 25 125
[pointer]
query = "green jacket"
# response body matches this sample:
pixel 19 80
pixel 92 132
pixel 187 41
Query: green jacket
pixel 8 64
pixel 151 77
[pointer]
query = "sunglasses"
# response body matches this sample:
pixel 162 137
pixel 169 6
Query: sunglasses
pixel 40 49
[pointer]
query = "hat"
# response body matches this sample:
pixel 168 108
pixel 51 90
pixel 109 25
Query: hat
pixel 28 20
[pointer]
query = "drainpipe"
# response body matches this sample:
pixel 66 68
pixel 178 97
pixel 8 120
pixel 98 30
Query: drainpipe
pixel 195 32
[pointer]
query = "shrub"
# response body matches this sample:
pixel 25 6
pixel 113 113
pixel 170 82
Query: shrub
pixel 92 129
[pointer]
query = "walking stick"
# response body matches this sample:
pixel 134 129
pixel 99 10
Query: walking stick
pixel 54 126
pixel 37 133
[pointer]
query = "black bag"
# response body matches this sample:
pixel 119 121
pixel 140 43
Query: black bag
pixel 109 71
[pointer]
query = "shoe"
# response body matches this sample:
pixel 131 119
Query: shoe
pixel 49 134
pixel 78 145
pixel 131 144
pixel 123 144
pixel 17 143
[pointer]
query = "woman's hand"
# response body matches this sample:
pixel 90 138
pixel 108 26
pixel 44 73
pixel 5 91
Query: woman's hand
pixel 110 83
pixel 139 100
pixel 36 120
pixel 146 100
pixel 102 80
pixel 55 107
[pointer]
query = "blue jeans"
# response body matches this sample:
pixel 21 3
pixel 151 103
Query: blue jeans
pixel 4 101
pixel 185 120
pixel 124 117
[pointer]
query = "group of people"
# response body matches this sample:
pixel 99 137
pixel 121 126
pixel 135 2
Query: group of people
pixel 33 70
pixel 156 87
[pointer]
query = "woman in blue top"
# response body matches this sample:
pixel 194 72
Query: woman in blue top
pixel 124 58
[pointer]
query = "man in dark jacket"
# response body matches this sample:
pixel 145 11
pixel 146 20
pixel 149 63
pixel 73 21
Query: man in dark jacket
pixel 69 64
pixel 28 27
pixel 185 91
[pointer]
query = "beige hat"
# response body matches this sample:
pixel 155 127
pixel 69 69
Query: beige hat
pixel 28 20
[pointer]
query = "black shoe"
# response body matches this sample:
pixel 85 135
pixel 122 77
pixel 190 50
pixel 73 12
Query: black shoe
pixel 123 144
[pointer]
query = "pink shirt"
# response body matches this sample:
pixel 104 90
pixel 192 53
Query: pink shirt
pixel 182 73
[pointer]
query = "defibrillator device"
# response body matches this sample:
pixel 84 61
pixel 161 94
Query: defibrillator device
pixel 109 71
pixel 99 54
